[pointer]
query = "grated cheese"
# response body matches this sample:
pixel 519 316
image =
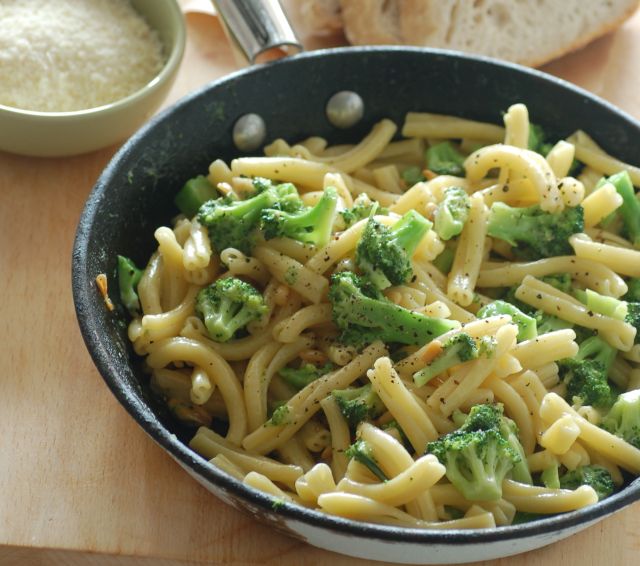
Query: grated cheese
pixel 66 55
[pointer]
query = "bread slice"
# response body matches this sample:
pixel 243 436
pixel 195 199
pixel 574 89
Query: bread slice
pixel 531 32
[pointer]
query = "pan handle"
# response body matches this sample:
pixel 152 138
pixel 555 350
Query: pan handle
pixel 255 27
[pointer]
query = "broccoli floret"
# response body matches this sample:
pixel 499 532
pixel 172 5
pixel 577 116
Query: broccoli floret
pixel 509 431
pixel 412 175
pixel 623 419
pixel 585 375
pixel 361 452
pixel 633 318
pixel 527 327
pixel 633 290
pixel 194 194
pixel 452 212
pixel 534 233
pixel 228 305
pixel 630 208
pixel 456 350
pixel 364 315
pixel 232 223
pixel 128 278
pixel 537 141
pixel 445 159
pixel 300 377
pixel 596 477
pixel 384 254
pixel 363 207
pixel 393 428
pixel 550 477
pixel 476 462
pixel 288 198
pixel 312 225
pixel 480 453
pixel 280 415
pixel 358 404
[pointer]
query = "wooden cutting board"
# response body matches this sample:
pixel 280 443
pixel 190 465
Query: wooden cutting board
pixel 80 483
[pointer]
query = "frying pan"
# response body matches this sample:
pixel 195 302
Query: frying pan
pixel 135 194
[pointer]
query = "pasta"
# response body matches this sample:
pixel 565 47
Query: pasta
pixel 357 341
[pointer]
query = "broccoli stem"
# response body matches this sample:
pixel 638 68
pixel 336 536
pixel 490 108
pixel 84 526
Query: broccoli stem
pixel 630 208
pixel 527 326
pixel 128 278
pixel 194 194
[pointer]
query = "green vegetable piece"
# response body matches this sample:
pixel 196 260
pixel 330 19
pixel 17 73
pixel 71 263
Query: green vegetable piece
pixel 310 225
pixel 445 260
pixel 364 315
pixel 633 292
pixel 361 451
pixel 384 254
pixel 445 159
pixel 300 377
pixel 452 213
pixel 527 327
pixel 194 194
pixel 412 175
pixel 228 305
pixel 623 419
pixel 456 350
pixel 602 304
pixel 128 278
pixel 358 404
pixel 533 233
pixel 550 477
pixel 363 207
pixel 280 415
pixel 630 208
pixel 596 477
pixel 537 143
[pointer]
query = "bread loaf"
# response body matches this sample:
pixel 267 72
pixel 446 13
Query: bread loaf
pixel 530 32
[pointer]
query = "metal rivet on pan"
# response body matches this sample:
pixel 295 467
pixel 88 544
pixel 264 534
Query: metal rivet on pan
pixel 345 108
pixel 249 132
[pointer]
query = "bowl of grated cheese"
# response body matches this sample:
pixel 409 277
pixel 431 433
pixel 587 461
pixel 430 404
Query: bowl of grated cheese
pixel 80 75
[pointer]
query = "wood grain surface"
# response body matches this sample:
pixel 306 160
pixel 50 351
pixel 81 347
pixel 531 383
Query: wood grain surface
pixel 80 483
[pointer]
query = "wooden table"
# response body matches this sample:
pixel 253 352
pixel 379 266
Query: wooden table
pixel 80 483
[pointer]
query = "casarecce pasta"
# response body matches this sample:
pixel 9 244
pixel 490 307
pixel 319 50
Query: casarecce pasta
pixel 369 327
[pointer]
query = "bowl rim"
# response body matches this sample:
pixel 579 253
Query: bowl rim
pixel 82 289
pixel 168 68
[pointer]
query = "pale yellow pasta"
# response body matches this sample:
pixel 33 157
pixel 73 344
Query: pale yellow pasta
pixel 571 191
pixel 410 151
pixel 560 435
pixel 434 293
pixel 402 488
pixel 166 351
pixel 560 158
pixel 543 296
pixel 239 264
pixel 219 172
pixel 315 436
pixel 302 406
pixel 150 286
pixel 209 444
pixel 521 161
pixel 340 436
pixel 295 453
pixel 599 204
pixel 402 405
pixel 620 260
pixel 614 448
pixel 314 483
pixel 228 466
pixel 425 125
pixel 173 282
pixel 197 248
pixel 466 263
pixel 516 121
pixel 533 499
pixel 546 348
pixel 201 386
pixel 289 329
pixel 590 273
pixel 417 198
pixel 263 483
pixel 518 192
pixel 304 281
pixel 388 179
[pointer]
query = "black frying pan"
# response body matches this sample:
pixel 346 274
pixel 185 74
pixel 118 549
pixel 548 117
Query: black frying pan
pixel 135 194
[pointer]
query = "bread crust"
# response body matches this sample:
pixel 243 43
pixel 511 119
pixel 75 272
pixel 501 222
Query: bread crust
pixel 432 22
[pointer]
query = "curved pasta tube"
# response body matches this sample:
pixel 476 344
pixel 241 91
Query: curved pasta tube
pixel 166 351
pixel 516 121
pixel 174 283
pixel 439 126
pixel 314 483
pixel 522 161
pixel 560 158
pixel 209 444
pixel 534 499
pixel 150 286
pixel 543 296
pixel 340 436
pixel 425 472
pixel 302 406
pixel 589 272
pixel 620 260
pixel 197 248
pixel 239 264
pixel 290 329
